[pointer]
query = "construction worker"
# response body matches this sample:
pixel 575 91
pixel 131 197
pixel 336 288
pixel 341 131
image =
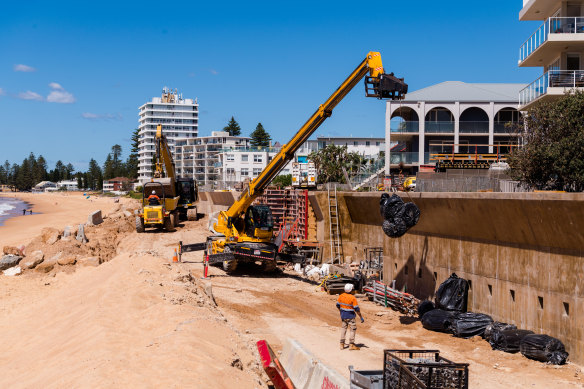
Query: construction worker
pixel 153 199
pixel 348 306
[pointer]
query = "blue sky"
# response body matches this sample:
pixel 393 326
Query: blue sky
pixel 72 75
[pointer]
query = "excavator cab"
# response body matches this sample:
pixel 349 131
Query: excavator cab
pixel 259 222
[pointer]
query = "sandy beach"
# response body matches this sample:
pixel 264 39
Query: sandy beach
pixel 55 210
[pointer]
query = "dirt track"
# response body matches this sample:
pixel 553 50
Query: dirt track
pixel 138 321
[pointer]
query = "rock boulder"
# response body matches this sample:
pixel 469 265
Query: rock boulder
pixel 11 250
pixel 67 259
pixel 50 235
pixel 9 261
pixel 81 234
pixel 89 261
pixel 48 265
pixel 32 260
pixel 13 271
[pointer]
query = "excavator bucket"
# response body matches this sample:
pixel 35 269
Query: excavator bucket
pixel 386 86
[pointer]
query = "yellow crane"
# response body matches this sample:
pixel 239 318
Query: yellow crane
pixel 245 232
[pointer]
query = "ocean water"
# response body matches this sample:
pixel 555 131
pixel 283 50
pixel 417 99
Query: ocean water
pixel 10 207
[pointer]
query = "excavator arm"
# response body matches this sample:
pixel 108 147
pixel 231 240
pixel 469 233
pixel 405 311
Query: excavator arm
pixel 163 157
pixel 377 84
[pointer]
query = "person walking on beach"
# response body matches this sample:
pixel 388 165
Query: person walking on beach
pixel 23 212
pixel 348 307
pixel 30 211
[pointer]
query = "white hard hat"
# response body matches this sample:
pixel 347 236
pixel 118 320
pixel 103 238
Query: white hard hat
pixel 348 288
pixel 153 192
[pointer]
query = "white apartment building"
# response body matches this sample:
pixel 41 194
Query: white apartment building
pixel 557 45
pixel 199 158
pixel 452 116
pixel 367 147
pixel 179 118
pixel 237 165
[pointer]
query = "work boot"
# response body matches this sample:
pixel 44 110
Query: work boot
pixel 342 346
pixel 353 347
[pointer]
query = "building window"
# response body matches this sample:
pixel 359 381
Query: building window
pixel 377 143
pixel 243 157
pixel 230 158
pixel 230 170
pixel 256 171
pixel 355 143
pixel 367 143
pixel 244 171
pixel 257 158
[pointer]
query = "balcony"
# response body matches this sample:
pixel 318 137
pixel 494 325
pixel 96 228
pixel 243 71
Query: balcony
pixel 553 36
pixel 407 157
pixel 407 127
pixel 553 83
pixel 473 127
pixel 440 127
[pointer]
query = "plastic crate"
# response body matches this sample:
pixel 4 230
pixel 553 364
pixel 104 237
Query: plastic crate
pixel 433 371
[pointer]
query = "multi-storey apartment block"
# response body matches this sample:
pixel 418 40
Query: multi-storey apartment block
pixel 179 118
pixel 452 116
pixel 557 46
pixel 199 158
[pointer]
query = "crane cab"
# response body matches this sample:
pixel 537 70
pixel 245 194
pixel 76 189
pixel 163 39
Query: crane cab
pixel 258 222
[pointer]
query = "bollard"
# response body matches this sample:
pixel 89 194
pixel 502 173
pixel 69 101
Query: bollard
pixel 174 257
pixel 206 262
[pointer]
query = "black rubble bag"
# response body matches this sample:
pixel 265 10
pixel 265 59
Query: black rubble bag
pixel 543 348
pixel 438 320
pixel 452 295
pixel 508 340
pixel 425 306
pixel 469 324
pixel 390 206
pixel 497 326
pixel 410 214
pixel 395 228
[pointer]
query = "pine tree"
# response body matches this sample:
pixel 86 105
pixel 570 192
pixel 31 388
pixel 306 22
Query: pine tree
pixel 94 179
pixel 108 168
pixel 79 181
pixel 232 127
pixel 132 161
pixel 260 137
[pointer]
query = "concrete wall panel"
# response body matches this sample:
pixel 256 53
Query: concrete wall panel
pixel 528 243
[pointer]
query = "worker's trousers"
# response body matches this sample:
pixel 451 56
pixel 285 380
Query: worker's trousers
pixel 352 327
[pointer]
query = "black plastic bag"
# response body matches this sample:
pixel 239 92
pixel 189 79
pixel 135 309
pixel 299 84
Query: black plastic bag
pixel 543 348
pixel 390 206
pixel 425 306
pixel 508 340
pixel 438 320
pixel 495 327
pixel 410 214
pixel 452 295
pixel 469 324
pixel 394 228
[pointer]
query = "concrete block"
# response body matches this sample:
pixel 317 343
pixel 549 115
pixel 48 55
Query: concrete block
pixel 298 362
pixel 326 377
pixel 95 218
pixel 81 234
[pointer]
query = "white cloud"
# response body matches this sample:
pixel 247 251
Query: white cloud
pixel 28 95
pixel 214 72
pixel 104 116
pixel 1 92
pixel 55 86
pixel 62 97
pixel 23 68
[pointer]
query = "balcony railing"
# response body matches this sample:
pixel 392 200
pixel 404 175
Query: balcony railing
pixel 437 127
pixel 413 126
pixel 551 79
pixel 571 25
pixel 474 127
pixel 405 157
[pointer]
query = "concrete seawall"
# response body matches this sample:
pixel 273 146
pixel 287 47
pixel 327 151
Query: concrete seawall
pixel 522 252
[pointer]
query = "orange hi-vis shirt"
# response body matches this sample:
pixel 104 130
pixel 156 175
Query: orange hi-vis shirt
pixel 348 305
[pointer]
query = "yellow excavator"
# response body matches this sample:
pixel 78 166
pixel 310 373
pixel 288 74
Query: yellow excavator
pixel 244 233
pixel 159 196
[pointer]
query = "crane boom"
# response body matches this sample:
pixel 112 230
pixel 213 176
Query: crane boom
pixel 163 157
pixel 377 84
